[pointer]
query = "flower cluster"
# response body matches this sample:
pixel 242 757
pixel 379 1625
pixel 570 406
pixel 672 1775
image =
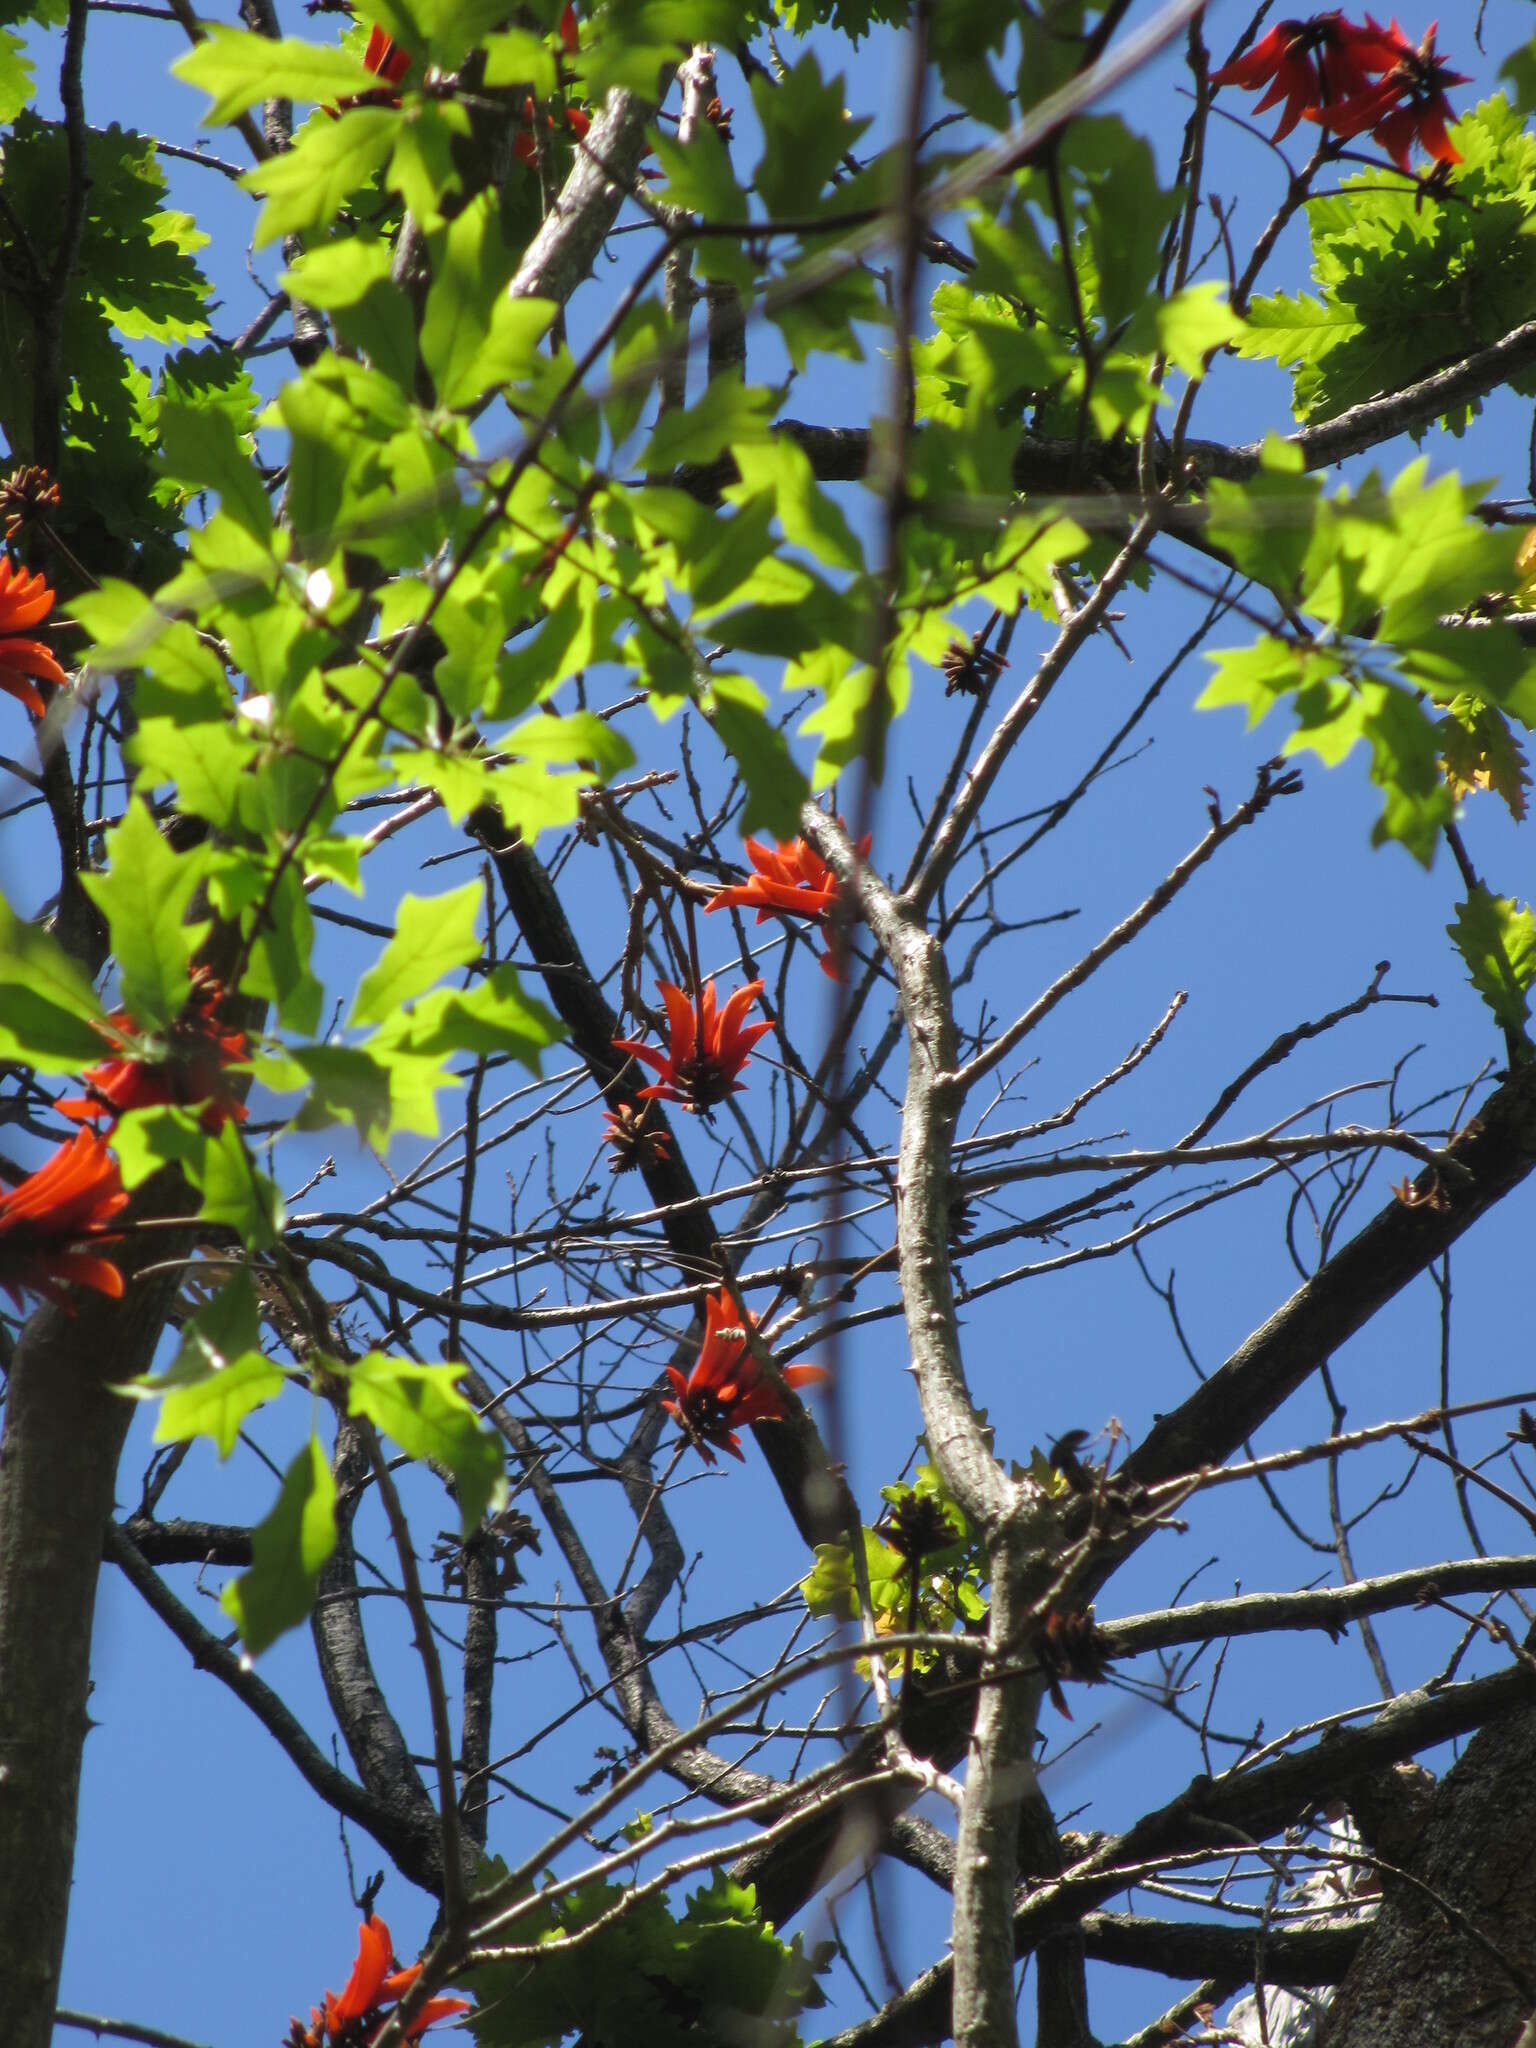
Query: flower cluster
pixel 728 1387
pixel 183 1066
pixel 791 879
pixel 352 2020
pixel 51 1222
pixel 25 601
pixel 526 146
pixel 1349 77
pixel 707 1047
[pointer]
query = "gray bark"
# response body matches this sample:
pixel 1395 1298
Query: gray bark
pixel 64 1432
pixel 1423 1976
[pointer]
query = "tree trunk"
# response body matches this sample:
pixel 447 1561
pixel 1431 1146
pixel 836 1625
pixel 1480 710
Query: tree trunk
pixel 1420 1977
pixel 63 1437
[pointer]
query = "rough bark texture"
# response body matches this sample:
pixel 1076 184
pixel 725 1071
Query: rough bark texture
pixel 64 1431
pixel 1420 1978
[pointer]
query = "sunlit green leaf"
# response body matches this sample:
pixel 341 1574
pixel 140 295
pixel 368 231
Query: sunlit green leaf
pixel 289 1551
pixel 421 1408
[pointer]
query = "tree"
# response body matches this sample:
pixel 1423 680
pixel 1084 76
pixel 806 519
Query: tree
pixel 565 1235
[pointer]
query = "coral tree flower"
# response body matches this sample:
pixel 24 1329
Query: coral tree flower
pixel 1312 65
pixel 526 147
pixel 25 600
pixel 352 2020
pixel 47 1219
pixel 1405 106
pixel 708 1047
pixel 728 1387
pixel 385 58
pixel 791 878
pixel 182 1067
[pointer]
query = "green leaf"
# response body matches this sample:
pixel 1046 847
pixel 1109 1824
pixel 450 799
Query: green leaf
pixel 350 1087
pixel 574 736
pixel 494 1016
pixel 215 1403
pixel 1193 322
pixel 1406 285
pixel 199 446
pixel 776 786
pixel 350 278
pixel 305 186
pixel 1266 524
pixel 235 1191
pixel 470 268
pixel 238 70
pixel 510 352
pixel 47 1005
pixel 1125 209
pixel 806 134
pixel 17 83
pixel 811 519
pixel 1497 940
pixel 433 935
pixel 830 1588
pixel 281 946
pixel 289 1550
pixel 729 411
pixel 218 1377
pixel 514 57
pixel 421 165
pixel 144 896
pixel 699 175
pixel 421 1408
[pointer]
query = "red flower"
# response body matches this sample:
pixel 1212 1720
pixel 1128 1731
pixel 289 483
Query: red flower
pixel 385 59
pixel 791 878
pixel 45 1218
pixel 570 34
pixel 25 599
pixel 526 148
pixel 728 1388
pixel 707 1051
pixel 356 2016
pixel 181 1067
pixel 1313 65
pixel 1406 106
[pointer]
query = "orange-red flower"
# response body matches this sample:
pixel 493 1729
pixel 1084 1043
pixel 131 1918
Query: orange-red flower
pixel 352 2020
pixel 707 1051
pixel 1313 65
pixel 385 58
pixel 526 147
pixel 25 600
pixel 570 34
pixel 791 878
pixel 181 1066
pixel 47 1218
pixel 728 1387
pixel 1406 105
